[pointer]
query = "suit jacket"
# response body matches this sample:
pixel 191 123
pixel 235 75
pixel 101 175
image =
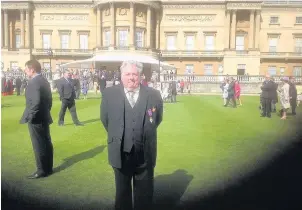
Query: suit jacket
pixel 274 92
pixel 112 117
pixel 66 89
pixel 231 89
pixel 268 88
pixel 292 91
pixel 174 88
pixel 38 102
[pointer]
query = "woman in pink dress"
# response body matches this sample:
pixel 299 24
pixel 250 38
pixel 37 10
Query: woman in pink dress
pixel 237 92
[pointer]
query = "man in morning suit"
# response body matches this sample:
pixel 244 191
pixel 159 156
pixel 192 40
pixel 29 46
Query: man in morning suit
pixel 37 116
pixel 67 94
pixel 131 113
pixel 293 95
pixel 268 88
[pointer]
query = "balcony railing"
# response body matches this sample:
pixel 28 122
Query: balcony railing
pixel 191 53
pixel 219 78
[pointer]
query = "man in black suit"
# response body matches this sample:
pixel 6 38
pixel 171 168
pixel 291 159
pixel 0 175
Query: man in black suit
pixel 131 113
pixel 231 92
pixel 67 96
pixel 18 85
pixel 293 95
pixel 173 91
pixel 37 116
pixel 268 88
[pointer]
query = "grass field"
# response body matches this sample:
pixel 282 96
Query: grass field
pixel 202 147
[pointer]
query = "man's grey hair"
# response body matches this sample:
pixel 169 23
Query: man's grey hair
pixel 126 64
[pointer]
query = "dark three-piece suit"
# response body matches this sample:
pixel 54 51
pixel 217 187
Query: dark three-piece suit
pixel 37 115
pixel 132 142
pixel 66 89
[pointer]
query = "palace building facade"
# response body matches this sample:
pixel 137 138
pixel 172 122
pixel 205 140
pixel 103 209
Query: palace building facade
pixel 201 37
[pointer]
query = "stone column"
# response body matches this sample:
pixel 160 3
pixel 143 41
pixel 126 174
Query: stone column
pixel 257 30
pixel 251 31
pixel 227 30
pixel 157 31
pixel 233 32
pixel 27 29
pixel 98 25
pixel 132 25
pixel 112 15
pixel 149 27
pixel 6 29
pixel 22 15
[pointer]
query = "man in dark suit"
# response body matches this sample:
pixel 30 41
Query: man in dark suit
pixel 18 85
pixel 293 95
pixel 268 88
pixel 67 96
pixel 231 92
pixel 173 91
pixel 131 113
pixel 274 95
pixel 37 116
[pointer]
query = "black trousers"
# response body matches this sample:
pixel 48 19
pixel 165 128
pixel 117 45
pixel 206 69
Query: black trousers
pixel 70 104
pixel 18 90
pixel 293 104
pixel 266 107
pixel 231 97
pixel 43 149
pixel 142 176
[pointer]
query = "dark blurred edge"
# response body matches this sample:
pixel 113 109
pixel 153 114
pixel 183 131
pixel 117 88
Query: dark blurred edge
pixel 276 186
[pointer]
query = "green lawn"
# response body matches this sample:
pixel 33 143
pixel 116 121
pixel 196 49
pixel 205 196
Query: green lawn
pixel 202 146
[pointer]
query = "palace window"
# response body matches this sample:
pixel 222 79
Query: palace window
pixel 273 41
pixel 139 38
pixel 14 65
pixel 64 41
pixel 298 44
pixel 107 38
pixel 189 69
pixel 46 41
pixel 18 40
pixel 209 42
pixel 83 41
pixel 171 42
pixel 299 20
pixel 239 42
pixel 297 72
pixel 123 37
pixel 190 39
pixel 274 20
pixel 272 70
pixel 208 69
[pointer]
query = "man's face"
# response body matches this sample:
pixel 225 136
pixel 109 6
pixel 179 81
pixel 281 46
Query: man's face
pixel 292 80
pixel 29 71
pixel 67 75
pixel 130 77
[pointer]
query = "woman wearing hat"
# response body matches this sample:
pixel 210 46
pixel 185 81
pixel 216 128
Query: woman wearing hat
pixel 284 97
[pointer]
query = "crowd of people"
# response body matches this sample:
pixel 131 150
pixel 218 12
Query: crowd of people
pixel 271 94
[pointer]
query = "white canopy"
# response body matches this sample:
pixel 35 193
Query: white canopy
pixel 118 58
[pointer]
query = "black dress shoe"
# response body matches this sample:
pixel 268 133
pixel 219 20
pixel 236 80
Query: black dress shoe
pixel 37 176
pixel 79 124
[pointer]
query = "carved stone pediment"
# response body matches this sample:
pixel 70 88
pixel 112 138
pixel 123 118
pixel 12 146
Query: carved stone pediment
pixel 243 5
pixel 190 18
pixel 192 6
pixel 17 5
pixel 56 5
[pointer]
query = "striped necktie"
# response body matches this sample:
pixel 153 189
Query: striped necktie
pixel 131 98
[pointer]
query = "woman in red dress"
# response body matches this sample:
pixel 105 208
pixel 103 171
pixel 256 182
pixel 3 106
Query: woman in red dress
pixel 237 92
